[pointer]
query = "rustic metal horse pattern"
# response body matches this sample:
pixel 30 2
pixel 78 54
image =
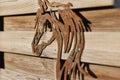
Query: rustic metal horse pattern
pixel 68 30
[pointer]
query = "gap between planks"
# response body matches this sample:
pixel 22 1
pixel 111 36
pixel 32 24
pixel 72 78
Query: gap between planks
pixel 100 47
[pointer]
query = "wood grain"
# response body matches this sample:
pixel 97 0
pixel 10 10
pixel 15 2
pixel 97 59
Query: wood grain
pixel 40 67
pixel 19 23
pixel 103 20
pixel 14 75
pixel 44 68
pixel 100 47
pixel 12 7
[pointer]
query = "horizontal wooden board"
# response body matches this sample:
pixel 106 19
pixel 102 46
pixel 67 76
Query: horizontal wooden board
pixel 12 7
pixel 102 20
pixel 7 74
pixel 100 47
pixel 39 67
pixel 44 68
pixel 13 75
pixel 19 23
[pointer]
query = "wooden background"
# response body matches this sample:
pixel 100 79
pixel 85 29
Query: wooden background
pixel 102 50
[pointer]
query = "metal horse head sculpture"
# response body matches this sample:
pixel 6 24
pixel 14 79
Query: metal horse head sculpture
pixel 68 31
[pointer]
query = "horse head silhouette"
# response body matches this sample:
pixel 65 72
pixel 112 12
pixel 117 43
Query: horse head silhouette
pixel 68 30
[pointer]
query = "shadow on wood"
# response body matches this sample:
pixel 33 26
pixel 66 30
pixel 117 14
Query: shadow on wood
pixel 86 67
pixel 1 53
pixel 1 23
pixel 2 65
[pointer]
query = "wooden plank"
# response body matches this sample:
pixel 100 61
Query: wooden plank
pixel 99 47
pixel 7 74
pixel 102 20
pixel 40 67
pixel 11 7
pixel 44 68
pixel 20 23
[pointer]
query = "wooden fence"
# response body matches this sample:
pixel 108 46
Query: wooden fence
pixel 102 47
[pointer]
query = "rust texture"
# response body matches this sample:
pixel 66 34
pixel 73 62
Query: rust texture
pixel 67 29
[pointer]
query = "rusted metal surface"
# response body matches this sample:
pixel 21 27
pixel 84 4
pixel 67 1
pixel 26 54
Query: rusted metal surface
pixel 66 28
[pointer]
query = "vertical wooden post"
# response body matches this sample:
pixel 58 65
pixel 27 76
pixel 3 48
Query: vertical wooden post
pixel 2 65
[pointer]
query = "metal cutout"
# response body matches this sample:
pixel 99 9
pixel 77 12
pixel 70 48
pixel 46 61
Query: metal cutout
pixel 68 30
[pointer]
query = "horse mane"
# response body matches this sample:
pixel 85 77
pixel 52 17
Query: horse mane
pixel 68 30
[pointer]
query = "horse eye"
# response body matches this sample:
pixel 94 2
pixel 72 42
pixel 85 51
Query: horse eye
pixel 36 38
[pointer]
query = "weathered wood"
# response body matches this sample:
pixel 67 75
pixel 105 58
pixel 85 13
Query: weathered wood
pixel 20 23
pixel 41 67
pixel 45 68
pixel 14 75
pixel 100 47
pixel 11 7
pixel 102 20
